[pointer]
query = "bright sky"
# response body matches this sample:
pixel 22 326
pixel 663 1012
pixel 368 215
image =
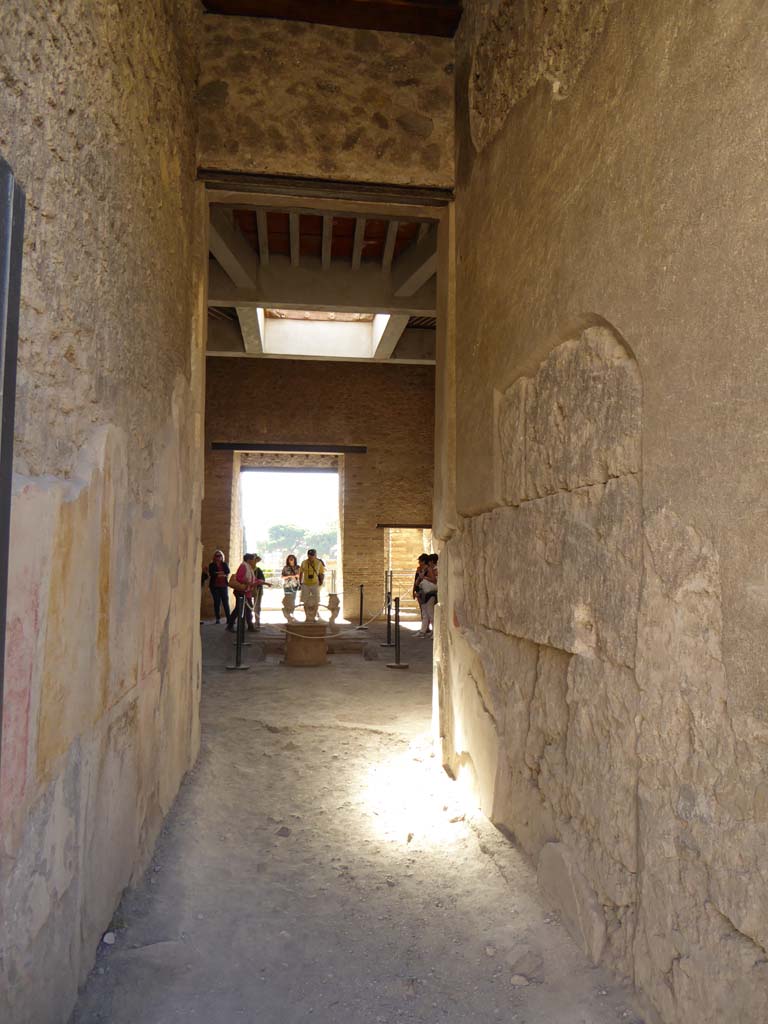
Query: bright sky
pixel 309 500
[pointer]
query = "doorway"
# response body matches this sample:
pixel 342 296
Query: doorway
pixel 286 509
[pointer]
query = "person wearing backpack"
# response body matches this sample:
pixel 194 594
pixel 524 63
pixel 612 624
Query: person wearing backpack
pixel 311 576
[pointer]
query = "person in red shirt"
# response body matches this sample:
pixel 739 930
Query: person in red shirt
pixel 218 579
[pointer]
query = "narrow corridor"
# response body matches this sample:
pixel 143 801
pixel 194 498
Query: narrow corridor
pixel 319 866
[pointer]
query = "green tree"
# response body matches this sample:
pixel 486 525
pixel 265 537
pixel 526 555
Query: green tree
pixel 323 542
pixel 285 536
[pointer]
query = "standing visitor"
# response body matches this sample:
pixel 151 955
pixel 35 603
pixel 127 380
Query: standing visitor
pixel 243 585
pixel 290 576
pixel 311 576
pixel 425 592
pixel 218 576
pixel 258 591
pixel 421 572
pixel 429 594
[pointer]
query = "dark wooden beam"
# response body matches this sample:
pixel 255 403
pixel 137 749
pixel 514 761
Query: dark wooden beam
pixel 403 526
pixel 303 449
pixel 289 469
pixel 418 17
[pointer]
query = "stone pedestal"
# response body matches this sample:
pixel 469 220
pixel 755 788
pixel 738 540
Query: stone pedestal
pixel 311 598
pixel 306 644
pixel 289 607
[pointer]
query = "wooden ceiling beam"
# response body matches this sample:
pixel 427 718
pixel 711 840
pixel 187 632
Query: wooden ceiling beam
pixel 327 240
pixel 357 245
pixel 417 17
pixel 280 286
pixel 387 331
pixel 231 248
pixel 295 240
pixel 252 328
pixel 416 265
pixel 263 233
pixel 389 246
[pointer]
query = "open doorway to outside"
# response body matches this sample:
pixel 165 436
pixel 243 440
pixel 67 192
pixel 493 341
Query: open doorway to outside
pixel 288 505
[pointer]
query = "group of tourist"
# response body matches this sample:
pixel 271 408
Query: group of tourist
pixel 249 581
pixel 425 592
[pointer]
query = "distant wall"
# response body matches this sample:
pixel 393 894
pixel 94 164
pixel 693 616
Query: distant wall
pixel 390 409
pixel 602 662
pixel 100 718
pixel 281 97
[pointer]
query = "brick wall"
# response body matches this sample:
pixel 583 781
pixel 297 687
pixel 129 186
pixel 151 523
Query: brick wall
pixel 221 527
pixel 404 548
pixel 389 409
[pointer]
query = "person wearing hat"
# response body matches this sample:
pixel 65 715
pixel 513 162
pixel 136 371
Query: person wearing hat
pixel 311 575
pixel 259 583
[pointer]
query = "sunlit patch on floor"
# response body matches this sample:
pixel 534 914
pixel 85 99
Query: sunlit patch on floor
pixel 407 797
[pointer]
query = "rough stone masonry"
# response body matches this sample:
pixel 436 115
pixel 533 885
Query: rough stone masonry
pixel 601 667
pixel 100 717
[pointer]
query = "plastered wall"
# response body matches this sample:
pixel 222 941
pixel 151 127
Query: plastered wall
pixel 100 715
pixel 389 409
pixel 281 97
pixel 601 670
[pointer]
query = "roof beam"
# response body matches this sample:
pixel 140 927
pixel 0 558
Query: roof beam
pixel 293 222
pixel 416 265
pixel 281 286
pixel 387 330
pixel 223 338
pixel 389 246
pixel 252 328
pixel 357 245
pixel 231 248
pixel 327 240
pixel 263 233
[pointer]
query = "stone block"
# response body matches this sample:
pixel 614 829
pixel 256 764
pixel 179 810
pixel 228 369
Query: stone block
pixel 563 571
pixel 575 423
pixel 566 889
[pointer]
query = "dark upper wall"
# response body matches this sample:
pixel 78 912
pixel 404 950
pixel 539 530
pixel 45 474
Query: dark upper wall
pixel 281 97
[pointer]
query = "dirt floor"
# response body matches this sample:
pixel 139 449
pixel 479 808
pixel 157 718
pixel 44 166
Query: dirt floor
pixel 319 866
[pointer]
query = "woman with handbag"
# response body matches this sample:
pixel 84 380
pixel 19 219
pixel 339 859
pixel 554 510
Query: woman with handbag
pixel 243 582
pixel 218 578
pixel 290 575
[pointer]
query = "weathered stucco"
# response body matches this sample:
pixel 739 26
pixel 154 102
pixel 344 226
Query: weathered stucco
pixel 102 671
pixel 281 97
pixel 603 680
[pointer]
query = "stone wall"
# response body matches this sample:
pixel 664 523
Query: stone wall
pixel 603 680
pixel 389 409
pixel 102 671
pixel 281 97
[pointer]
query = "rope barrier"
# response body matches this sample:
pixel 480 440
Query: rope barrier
pixel 343 632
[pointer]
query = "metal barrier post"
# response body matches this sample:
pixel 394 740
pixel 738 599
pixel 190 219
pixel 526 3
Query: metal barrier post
pixel 397 663
pixel 239 636
pixel 361 626
pixel 389 642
